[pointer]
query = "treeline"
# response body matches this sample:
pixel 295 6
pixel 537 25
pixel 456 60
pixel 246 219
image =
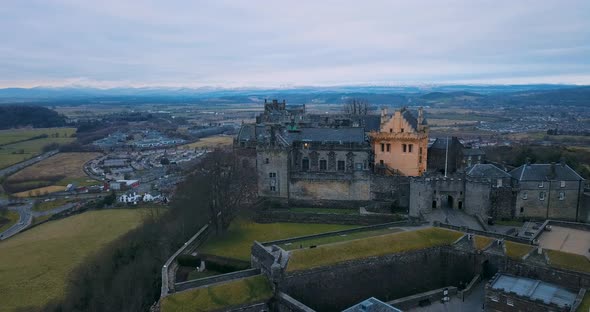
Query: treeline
pixel 126 275
pixel 517 155
pixel 13 116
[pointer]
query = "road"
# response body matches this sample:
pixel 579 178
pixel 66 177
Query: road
pixel 26 215
pixel 14 168
pixel 25 219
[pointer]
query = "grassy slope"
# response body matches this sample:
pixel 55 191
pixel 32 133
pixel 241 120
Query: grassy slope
pixel 481 242
pixel 216 297
pixel 12 218
pixel 34 265
pixel 369 247
pixel 337 238
pixel 569 261
pixel 585 306
pixel 30 148
pixel 516 250
pixel 237 241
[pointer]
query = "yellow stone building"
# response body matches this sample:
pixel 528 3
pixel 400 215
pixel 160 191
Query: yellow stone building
pixel 401 145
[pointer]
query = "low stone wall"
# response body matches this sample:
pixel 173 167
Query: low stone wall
pixel 261 258
pixel 355 230
pixel 271 216
pixel 256 307
pixel 521 240
pixel 467 291
pixel 415 300
pixel 215 279
pixel 564 278
pixel 286 303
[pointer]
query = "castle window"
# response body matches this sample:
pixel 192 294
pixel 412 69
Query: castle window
pixel 390 130
pixel 541 195
pixel 562 184
pixel 541 184
pixel 266 160
pixel 383 147
pixel 323 164
pixel 404 147
pixel 521 209
pixel 381 162
pixel 273 188
pixel 410 147
pixel 434 204
pixel 305 164
pixel 420 151
pixel 561 195
pixel 358 166
pixel 420 159
pixel 272 174
pixel 402 130
pixel 525 195
pixel 388 147
pixel 341 165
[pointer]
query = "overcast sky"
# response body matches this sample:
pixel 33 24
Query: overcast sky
pixel 109 43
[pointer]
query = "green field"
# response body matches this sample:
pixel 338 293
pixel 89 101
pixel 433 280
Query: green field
pixel 481 242
pixel 337 238
pixel 13 149
pixel 569 261
pixel 369 247
pixel 34 265
pixel 49 205
pixel 220 296
pixel 238 240
pixel 8 220
pixel 326 210
pixel 585 305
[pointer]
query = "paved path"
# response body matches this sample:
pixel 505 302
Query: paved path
pixel 25 219
pixel 453 217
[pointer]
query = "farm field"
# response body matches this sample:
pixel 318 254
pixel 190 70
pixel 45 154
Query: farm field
pixel 50 175
pixel 14 149
pixel 8 220
pixel 211 142
pixel 238 240
pixel 34 265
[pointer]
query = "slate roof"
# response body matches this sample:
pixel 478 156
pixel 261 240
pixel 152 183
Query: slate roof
pixel 409 117
pixel 372 305
pixel 545 172
pixel 473 152
pixel 487 171
pixel 441 143
pixel 247 132
pixel 352 135
pixel 371 122
pixel 535 290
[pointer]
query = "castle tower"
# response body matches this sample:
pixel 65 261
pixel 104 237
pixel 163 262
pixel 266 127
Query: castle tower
pixel 401 145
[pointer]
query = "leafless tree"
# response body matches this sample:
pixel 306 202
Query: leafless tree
pixel 356 106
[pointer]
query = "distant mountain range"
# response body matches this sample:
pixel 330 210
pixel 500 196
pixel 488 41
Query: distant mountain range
pixel 392 95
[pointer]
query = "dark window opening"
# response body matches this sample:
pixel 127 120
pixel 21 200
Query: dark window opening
pixel 305 164
pixel 404 147
pixel 323 164
pixel 389 147
pixel 410 148
pixel 382 147
pixel 341 165
pixel 434 204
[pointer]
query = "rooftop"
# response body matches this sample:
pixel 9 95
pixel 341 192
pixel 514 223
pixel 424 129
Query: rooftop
pixel 372 305
pixel 486 171
pixel 534 290
pixel 348 135
pixel 545 172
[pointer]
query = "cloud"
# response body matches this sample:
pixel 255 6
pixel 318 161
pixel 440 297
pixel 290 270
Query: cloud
pixel 270 43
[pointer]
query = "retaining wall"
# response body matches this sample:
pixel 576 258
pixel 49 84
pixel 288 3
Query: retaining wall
pixel 270 216
pixel 415 300
pixel 215 279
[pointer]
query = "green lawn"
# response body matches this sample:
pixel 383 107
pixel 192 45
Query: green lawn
pixel 8 220
pixel 12 153
pixel 35 264
pixel 585 306
pixel 337 238
pixel 221 296
pixel 238 240
pixel 569 261
pixel 480 242
pixel 196 274
pixel 516 250
pixel 326 210
pixel 48 205
pixel 369 247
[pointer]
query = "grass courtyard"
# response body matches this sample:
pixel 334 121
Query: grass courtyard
pixel 216 297
pixel 370 247
pixel 34 265
pixel 568 261
pixel 238 240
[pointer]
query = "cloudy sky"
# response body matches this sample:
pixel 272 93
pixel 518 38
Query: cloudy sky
pixel 260 43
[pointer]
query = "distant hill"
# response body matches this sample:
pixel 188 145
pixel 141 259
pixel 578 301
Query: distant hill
pixel 448 95
pixel 14 116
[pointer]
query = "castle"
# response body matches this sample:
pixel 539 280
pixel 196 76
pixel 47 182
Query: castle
pixel 384 161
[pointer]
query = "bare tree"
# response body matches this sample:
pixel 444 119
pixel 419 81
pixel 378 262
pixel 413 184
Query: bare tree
pixel 356 106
